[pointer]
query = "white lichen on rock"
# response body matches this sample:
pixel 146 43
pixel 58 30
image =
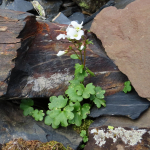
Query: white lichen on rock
pixel 130 137
pixel 53 81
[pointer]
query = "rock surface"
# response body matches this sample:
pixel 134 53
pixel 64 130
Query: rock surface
pixel 120 4
pixel 130 105
pixel 39 72
pixel 9 43
pixel 13 124
pixel 118 138
pixel 121 121
pixel 17 5
pixel 125 36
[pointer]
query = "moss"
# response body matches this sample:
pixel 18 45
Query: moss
pixel 84 126
pixel 84 5
pixel 18 144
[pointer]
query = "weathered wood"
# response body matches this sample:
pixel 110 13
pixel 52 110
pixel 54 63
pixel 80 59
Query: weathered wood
pixel 39 72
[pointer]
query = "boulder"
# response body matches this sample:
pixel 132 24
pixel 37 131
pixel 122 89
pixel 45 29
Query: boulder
pixel 125 36
pixel 38 72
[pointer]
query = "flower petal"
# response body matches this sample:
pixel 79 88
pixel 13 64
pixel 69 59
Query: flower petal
pixel 60 53
pixel 61 36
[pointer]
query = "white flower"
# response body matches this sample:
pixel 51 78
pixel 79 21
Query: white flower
pixel 60 53
pixel 76 25
pixel 73 34
pixel 63 36
pixel 81 47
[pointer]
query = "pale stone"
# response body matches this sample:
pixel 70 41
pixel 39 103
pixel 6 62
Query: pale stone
pixel 125 35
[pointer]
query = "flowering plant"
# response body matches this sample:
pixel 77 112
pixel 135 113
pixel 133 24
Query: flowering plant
pixel 75 104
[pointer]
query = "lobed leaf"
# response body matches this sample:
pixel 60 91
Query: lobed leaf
pixel 38 115
pixel 99 92
pixel 127 87
pixel 98 102
pixel 90 89
pixel 74 56
pixel 59 102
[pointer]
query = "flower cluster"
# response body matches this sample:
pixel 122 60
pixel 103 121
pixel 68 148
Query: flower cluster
pixel 73 32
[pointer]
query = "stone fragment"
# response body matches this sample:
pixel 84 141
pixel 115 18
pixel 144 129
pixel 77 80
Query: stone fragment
pixel 17 5
pixel 103 138
pixel 125 34
pixel 13 124
pixel 77 16
pixel 130 105
pixel 61 19
pixel 121 121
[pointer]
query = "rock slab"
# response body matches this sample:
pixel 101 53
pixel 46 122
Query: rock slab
pixel 130 105
pixel 125 36
pixel 13 124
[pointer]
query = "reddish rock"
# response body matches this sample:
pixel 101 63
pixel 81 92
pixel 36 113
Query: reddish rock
pixel 38 72
pixel 9 43
pixel 125 36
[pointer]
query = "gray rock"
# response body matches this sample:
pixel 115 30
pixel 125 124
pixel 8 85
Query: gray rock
pixel 120 4
pixel 17 5
pixel 70 10
pixel 121 121
pixel 14 125
pixel 78 16
pixel 130 105
pixel 61 19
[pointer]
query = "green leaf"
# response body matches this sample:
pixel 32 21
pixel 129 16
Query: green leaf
pixel 83 133
pixel 85 139
pixel 98 102
pixel 90 72
pixel 71 92
pixel 64 116
pixel 77 120
pixel 89 42
pixel 78 68
pixel 85 110
pixel 49 121
pixel 76 106
pixel 38 115
pixel 59 102
pixel 26 106
pixel 90 89
pixel 27 110
pixel 127 87
pixel 80 88
pixel 74 56
pixel 27 101
pixel 82 146
pixel 99 92
pixel 81 76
